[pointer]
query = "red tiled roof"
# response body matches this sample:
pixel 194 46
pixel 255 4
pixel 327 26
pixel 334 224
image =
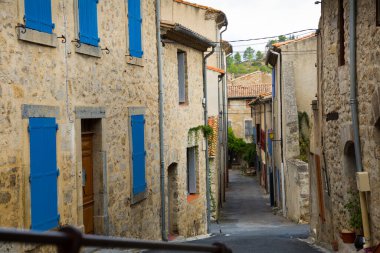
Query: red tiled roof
pixel 221 71
pixel 240 91
pixel 279 44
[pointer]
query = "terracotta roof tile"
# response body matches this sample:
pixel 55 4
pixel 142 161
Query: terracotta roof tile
pixel 279 44
pixel 221 71
pixel 240 91
pixel 198 6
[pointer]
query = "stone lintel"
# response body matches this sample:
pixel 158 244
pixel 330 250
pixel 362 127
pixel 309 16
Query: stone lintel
pixel 83 112
pixel 346 135
pixel 43 111
pixel 41 38
pixel 89 50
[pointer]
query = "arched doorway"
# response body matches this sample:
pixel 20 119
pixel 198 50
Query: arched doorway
pixel 173 200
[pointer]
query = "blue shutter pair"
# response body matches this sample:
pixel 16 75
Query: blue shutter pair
pixel 88 22
pixel 43 173
pixel 38 15
pixel 138 153
pixel 134 26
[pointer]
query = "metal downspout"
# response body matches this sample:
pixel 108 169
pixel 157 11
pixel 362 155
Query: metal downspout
pixel 206 140
pixel 164 233
pixel 224 121
pixel 355 122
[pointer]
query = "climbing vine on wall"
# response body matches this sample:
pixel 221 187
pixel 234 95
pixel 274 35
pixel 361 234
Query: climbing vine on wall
pixel 304 135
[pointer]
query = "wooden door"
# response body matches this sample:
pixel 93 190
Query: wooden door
pixel 88 185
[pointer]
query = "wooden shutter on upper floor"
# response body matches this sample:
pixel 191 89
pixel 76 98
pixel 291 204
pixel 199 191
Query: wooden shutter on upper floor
pixel 88 22
pixel 38 15
pixel 135 28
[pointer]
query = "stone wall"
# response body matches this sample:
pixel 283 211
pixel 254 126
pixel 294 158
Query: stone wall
pixel 238 112
pixel 335 97
pixel 297 187
pixel 179 119
pixel 61 77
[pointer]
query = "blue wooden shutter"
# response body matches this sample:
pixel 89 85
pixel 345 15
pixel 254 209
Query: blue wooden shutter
pixel 191 170
pixel 138 153
pixel 134 26
pixel 88 22
pixel 43 173
pixel 38 15
pixel 181 77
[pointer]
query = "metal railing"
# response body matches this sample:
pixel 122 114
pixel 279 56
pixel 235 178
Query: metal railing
pixel 70 240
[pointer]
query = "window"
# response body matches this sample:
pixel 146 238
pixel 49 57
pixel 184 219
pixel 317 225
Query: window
pixel 341 57
pixel 192 170
pixel 43 174
pixel 248 128
pixel 182 70
pixel 88 22
pixel 137 135
pixel 38 15
pixel 378 12
pixel 135 28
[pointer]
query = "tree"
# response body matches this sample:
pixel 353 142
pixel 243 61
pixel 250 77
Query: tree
pixel 237 58
pixel 259 56
pixel 282 38
pixel 248 54
pixel 230 61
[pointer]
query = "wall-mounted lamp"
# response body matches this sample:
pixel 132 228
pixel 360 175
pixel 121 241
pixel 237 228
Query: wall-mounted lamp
pixel 317 2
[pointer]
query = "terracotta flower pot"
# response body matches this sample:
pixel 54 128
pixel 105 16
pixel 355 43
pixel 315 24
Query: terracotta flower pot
pixel 347 236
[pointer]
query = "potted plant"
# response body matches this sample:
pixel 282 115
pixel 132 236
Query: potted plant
pixel 355 220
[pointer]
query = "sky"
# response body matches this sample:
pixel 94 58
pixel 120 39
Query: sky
pixel 249 19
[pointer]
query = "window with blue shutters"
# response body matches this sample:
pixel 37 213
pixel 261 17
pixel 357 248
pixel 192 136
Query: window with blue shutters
pixel 43 173
pixel 135 27
pixel 138 154
pixel 38 15
pixel 88 22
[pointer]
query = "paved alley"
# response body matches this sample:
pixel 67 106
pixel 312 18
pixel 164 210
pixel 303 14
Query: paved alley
pixel 248 225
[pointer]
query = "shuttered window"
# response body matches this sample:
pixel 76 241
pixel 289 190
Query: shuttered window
pixel 181 57
pixel 135 27
pixel 88 22
pixel 191 170
pixel 38 15
pixel 138 153
pixel 248 127
pixel 43 173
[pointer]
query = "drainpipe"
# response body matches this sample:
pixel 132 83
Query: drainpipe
pixel 224 121
pixel 164 233
pixel 355 123
pixel 281 136
pixel 206 139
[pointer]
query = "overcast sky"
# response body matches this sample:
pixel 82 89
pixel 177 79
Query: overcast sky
pixel 261 18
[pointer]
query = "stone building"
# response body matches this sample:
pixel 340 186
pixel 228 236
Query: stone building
pixel 262 127
pixel 79 133
pixel 346 135
pixel 190 31
pixel 241 91
pixel 294 86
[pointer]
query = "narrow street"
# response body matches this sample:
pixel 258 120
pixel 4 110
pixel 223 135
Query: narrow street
pixel 248 224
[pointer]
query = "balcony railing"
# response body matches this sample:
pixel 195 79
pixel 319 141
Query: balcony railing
pixel 70 240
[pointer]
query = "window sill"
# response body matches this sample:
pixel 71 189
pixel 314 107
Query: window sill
pixel 40 38
pixel 136 198
pixel 135 61
pixel 192 197
pixel 89 50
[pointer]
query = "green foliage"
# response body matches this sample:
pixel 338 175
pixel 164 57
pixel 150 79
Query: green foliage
pixel 248 54
pixel 237 58
pixel 282 38
pixel 230 61
pixel 353 208
pixel 239 147
pixel 259 56
pixel 207 130
pixel 304 141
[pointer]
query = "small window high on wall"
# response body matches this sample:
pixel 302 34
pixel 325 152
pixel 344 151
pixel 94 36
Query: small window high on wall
pixel 341 56
pixel 182 69
pixel 377 12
